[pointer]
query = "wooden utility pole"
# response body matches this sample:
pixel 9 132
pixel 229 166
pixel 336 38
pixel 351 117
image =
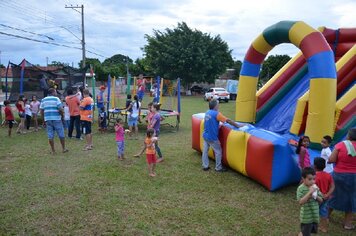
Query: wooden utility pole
pixel 83 39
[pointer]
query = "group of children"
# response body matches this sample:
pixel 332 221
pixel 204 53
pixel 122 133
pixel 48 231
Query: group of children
pixel 151 147
pixel 316 188
pixel 27 112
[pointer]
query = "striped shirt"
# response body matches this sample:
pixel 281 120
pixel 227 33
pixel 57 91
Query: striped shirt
pixel 309 212
pixel 51 106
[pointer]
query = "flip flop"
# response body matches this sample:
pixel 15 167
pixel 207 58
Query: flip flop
pixel 65 150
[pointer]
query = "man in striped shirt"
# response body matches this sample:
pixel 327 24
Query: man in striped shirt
pixel 52 113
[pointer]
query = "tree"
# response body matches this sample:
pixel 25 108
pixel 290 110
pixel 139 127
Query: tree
pixel 189 54
pixel 237 66
pixel 271 66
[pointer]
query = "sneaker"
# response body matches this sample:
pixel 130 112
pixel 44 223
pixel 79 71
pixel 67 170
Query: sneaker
pixel 206 168
pixel 221 170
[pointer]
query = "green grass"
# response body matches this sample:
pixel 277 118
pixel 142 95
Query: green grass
pixel 91 193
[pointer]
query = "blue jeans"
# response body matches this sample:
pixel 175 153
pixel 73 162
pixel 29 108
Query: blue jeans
pixel 216 146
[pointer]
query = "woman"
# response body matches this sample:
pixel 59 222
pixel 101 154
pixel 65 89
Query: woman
pixel 20 105
pixel 133 117
pixel 344 196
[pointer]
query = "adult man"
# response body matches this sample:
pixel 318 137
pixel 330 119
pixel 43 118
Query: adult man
pixel 43 85
pixel 73 102
pixel 52 111
pixel 100 103
pixel 211 135
pixel 86 118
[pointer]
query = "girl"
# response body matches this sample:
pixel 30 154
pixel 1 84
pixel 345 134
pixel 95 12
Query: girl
pixel 20 105
pixel 149 115
pixel 134 115
pixel 28 114
pixel 150 142
pixel 35 107
pixel 9 117
pixel 120 138
pixel 302 150
pixel 156 124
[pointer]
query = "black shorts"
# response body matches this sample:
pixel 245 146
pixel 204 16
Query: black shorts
pixel 86 126
pixel 308 229
pixel 11 123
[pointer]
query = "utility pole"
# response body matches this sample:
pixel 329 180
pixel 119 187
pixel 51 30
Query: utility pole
pixel 83 39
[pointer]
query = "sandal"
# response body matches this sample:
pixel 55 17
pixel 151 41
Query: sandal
pixel 65 150
pixel 87 148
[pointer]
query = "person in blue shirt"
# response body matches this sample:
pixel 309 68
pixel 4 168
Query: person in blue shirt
pixel 211 135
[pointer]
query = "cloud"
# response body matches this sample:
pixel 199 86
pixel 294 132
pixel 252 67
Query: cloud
pixel 114 27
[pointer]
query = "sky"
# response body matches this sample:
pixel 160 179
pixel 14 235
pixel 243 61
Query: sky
pixel 119 27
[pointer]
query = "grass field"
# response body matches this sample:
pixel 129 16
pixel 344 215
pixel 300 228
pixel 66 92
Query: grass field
pixel 92 193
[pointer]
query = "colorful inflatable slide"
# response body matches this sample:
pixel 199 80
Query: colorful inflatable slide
pixel 304 97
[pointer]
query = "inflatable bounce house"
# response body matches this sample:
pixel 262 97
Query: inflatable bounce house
pixel 314 94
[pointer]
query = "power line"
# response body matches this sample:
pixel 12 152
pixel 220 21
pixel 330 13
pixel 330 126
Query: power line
pixel 46 42
pixel 42 35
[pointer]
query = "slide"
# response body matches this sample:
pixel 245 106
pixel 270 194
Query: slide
pixel 277 100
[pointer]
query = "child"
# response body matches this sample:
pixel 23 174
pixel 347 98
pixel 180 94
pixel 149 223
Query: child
pixel 102 120
pixel 149 146
pixel 128 102
pixel 20 105
pixel 149 115
pixel 326 152
pixel 120 139
pixel 35 108
pixel 309 198
pixel 156 124
pixel 302 150
pixel 9 116
pixel 325 183
pixel 66 121
pixel 28 114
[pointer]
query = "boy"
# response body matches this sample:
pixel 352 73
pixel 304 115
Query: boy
pixel 325 183
pixel 326 152
pixel 309 198
pixel 9 117
pixel 102 120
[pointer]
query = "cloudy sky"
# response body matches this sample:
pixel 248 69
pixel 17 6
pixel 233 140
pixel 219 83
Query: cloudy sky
pixel 118 27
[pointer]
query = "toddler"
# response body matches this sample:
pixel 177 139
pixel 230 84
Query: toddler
pixel 120 138
pixel 9 116
pixel 326 152
pixel 302 151
pixel 102 120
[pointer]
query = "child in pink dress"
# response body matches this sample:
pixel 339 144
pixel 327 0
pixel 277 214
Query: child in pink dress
pixel 302 151
pixel 120 138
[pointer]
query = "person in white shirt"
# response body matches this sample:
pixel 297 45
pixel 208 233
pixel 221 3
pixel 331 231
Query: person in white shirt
pixel 134 117
pixel 28 114
pixel 326 152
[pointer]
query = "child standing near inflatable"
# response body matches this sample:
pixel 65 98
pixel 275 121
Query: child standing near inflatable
pixel 309 198
pixel 325 183
pixel 302 151
pixel 326 152
pixel 9 116
pixel 120 139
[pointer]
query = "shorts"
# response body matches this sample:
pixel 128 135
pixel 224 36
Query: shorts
pixel 151 158
pixel 86 126
pixel 132 121
pixel 11 123
pixel 324 209
pixel 120 147
pixel 307 229
pixel 22 115
pixel 54 125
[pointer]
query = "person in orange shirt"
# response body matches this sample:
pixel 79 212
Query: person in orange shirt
pixel 86 118
pixel 150 152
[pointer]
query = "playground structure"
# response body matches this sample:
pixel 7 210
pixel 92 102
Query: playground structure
pixel 168 95
pixel 310 95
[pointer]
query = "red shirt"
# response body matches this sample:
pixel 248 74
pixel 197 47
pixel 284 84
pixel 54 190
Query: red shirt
pixel 19 106
pixel 8 114
pixel 344 162
pixel 323 180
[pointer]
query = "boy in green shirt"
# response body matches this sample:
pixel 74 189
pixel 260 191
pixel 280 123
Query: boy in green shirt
pixel 309 197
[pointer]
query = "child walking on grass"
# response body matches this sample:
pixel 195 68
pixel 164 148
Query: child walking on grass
pixel 325 183
pixel 35 108
pixel 302 151
pixel 120 139
pixel 9 116
pixel 309 198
